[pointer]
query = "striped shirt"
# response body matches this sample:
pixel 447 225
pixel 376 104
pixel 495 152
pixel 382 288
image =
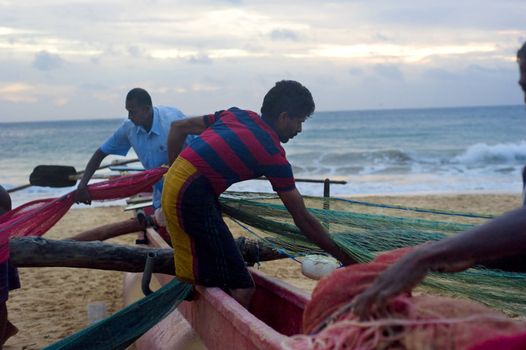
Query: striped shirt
pixel 238 145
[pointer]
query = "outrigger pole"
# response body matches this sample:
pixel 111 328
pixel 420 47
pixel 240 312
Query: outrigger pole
pixel 41 252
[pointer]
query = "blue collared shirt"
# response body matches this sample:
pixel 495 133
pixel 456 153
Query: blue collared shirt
pixel 150 146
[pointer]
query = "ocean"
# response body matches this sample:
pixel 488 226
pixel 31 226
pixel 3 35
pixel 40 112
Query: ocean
pixel 404 151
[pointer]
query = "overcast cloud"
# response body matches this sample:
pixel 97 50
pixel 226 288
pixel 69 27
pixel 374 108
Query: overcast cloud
pixel 77 59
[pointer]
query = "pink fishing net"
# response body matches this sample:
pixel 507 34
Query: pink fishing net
pixel 409 322
pixel 37 217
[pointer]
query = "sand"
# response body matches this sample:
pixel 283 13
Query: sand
pixel 52 302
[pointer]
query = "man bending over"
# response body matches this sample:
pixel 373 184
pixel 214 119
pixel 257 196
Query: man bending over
pixel 233 145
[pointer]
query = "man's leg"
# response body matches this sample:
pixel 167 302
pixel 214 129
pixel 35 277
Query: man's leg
pixel 108 231
pixel 3 323
pixel 205 251
pixel 7 329
pixel 8 280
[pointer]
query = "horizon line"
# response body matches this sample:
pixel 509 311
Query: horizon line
pixel 315 112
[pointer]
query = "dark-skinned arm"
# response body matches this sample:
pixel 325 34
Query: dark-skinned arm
pixel 311 227
pixel 179 130
pixel 502 237
pixel 83 195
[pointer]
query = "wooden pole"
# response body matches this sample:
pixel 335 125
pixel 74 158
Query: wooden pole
pixel 40 252
pixel 326 202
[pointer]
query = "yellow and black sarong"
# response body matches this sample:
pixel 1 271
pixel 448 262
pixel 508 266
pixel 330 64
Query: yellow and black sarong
pixel 205 252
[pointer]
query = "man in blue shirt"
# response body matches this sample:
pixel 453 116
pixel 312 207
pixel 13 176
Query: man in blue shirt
pixel 146 131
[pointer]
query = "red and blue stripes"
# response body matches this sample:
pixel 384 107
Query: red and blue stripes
pixel 237 146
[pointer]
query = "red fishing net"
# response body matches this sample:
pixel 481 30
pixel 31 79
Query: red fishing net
pixel 409 322
pixel 37 217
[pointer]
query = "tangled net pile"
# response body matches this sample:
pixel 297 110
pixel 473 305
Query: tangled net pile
pixel 409 322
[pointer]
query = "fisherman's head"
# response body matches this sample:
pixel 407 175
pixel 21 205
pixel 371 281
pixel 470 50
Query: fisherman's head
pixel 286 106
pixel 139 107
pixel 521 60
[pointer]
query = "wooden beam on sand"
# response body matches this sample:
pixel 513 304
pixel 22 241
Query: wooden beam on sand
pixel 40 252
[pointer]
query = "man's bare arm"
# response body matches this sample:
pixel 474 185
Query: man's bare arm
pixel 82 195
pixel 311 227
pixel 179 130
pixel 502 237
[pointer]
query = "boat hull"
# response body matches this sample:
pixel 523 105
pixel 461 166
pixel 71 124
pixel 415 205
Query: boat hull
pixel 215 320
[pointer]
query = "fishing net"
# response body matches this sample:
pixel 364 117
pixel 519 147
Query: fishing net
pixel 366 229
pixel 124 327
pixel 121 329
pixel 37 217
pixel 408 322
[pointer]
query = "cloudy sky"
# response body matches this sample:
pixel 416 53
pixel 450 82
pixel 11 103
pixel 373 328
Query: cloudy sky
pixel 67 59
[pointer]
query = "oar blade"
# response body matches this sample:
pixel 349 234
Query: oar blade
pixel 53 176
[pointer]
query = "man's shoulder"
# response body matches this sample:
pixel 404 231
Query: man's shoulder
pixel 119 141
pixel 126 125
pixel 240 110
pixel 239 113
pixel 167 112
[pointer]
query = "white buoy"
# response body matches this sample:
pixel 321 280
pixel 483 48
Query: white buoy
pixel 317 266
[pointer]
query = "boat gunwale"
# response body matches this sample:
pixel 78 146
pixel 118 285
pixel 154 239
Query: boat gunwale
pixel 244 324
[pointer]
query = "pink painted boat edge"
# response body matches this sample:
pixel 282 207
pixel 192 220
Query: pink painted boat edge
pixel 222 323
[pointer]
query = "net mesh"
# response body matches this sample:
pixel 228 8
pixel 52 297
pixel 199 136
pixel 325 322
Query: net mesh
pixel 36 217
pixel 124 327
pixel 365 230
pixel 407 322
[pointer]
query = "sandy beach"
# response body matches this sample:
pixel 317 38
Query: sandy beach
pixel 52 302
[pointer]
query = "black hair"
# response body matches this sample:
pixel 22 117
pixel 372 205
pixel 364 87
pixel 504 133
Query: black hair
pixel 521 54
pixel 287 96
pixel 140 96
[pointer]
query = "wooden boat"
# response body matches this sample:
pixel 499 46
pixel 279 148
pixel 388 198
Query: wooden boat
pixel 214 320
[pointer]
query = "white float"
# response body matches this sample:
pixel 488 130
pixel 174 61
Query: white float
pixel 318 266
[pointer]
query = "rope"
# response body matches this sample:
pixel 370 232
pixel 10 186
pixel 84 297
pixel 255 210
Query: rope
pixel 418 210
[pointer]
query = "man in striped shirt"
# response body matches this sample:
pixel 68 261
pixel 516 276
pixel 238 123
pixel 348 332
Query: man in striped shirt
pixel 233 145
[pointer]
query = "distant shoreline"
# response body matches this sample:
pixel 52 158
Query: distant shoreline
pixel 358 110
